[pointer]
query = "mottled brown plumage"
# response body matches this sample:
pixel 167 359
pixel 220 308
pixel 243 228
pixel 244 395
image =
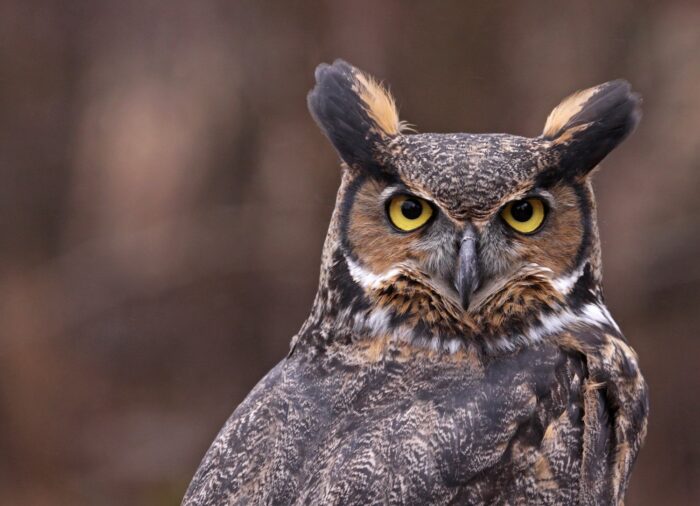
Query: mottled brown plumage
pixel 468 360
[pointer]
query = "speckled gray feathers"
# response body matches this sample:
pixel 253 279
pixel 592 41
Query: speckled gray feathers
pixel 469 174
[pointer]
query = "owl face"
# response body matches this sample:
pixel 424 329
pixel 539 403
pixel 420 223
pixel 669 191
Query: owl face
pixel 462 245
pixel 453 234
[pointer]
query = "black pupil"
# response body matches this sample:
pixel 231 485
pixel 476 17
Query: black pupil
pixel 521 211
pixel 411 209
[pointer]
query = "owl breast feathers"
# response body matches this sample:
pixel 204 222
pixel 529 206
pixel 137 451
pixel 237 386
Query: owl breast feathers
pixel 458 350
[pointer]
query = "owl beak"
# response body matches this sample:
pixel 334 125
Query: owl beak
pixel 467 276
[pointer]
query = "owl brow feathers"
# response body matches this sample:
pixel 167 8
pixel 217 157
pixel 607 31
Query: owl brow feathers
pixel 355 112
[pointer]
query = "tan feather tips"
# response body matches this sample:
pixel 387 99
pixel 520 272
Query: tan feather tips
pixel 379 104
pixel 565 112
pixel 355 112
pixel 589 124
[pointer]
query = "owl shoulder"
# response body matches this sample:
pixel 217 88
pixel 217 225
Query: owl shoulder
pixel 242 452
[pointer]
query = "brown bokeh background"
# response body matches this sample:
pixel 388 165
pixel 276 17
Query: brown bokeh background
pixel 164 196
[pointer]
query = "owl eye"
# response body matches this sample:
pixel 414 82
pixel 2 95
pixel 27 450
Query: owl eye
pixel 524 216
pixel 408 213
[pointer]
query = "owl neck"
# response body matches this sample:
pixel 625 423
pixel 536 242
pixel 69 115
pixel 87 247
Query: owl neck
pixel 593 255
pixel 338 297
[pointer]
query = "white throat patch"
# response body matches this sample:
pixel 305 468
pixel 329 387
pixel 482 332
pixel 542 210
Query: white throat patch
pixel 367 279
pixel 564 284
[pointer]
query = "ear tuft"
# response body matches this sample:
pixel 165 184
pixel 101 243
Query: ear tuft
pixel 355 112
pixel 589 124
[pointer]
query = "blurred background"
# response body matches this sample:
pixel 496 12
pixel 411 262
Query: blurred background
pixel 164 196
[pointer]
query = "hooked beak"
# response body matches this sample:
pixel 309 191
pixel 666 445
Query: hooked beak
pixel 467 276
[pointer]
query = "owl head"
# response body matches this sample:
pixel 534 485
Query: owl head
pixel 438 238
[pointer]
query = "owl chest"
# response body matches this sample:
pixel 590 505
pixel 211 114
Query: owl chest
pixel 410 435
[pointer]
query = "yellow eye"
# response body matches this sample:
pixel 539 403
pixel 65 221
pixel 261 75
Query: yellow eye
pixel 524 216
pixel 408 213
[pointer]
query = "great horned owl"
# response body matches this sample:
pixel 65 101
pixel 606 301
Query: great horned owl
pixel 458 350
